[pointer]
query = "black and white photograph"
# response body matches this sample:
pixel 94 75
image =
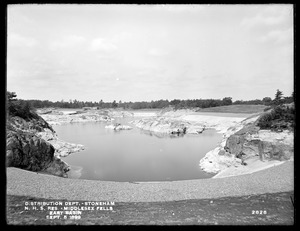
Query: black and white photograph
pixel 150 114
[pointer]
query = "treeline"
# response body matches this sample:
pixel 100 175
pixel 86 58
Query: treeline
pixel 158 104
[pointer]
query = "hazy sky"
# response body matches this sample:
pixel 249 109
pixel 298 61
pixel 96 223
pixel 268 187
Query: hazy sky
pixel 149 52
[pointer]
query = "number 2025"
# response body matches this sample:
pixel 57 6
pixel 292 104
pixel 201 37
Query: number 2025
pixel 259 212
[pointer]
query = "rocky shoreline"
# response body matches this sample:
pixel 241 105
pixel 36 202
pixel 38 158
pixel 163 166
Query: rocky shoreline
pixel 76 117
pixel 244 148
pixel 62 148
pixel 176 122
pixel 33 145
pixel 118 127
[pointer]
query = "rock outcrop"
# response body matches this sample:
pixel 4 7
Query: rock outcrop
pixel 33 145
pixel 184 121
pixel 169 126
pixel 57 118
pixel 246 140
pixel 62 148
pixel 268 145
pixel 44 110
pixel 118 127
pixel 119 113
pixel 26 150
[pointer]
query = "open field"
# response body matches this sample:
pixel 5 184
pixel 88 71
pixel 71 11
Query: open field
pixel 235 109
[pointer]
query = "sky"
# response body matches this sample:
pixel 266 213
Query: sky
pixel 149 52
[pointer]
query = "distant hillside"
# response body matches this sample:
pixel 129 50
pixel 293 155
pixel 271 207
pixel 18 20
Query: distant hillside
pixel 235 109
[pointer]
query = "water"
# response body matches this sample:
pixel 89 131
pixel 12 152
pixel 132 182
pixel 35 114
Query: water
pixel 135 155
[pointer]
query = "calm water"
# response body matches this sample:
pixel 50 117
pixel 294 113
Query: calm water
pixel 134 155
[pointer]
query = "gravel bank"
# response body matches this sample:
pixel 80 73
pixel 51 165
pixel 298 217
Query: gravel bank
pixel 275 179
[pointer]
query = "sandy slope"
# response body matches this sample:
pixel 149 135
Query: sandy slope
pixel 275 179
pixel 253 165
pixel 221 124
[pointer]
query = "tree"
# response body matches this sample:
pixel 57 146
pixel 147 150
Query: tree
pixel 278 97
pixel 10 99
pixel 267 100
pixel 17 107
pixel 227 101
pixel 175 102
pixel 114 104
pixel 11 96
pixel 100 104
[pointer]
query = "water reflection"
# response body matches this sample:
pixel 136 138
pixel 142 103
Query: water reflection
pixel 135 155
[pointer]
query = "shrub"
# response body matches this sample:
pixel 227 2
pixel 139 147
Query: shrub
pixel 267 108
pixel 280 117
pixel 17 107
pixel 22 109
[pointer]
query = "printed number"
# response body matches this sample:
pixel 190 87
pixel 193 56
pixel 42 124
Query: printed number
pixel 75 217
pixel 259 212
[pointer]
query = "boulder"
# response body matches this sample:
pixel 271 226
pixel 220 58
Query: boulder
pixel 30 145
pixel 27 151
pixel 251 141
pixel 234 144
pixel 276 151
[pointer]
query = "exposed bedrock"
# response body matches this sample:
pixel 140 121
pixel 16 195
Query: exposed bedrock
pixel 118 127
pixel 246 140
pixel 169 125
pixel 27 151
pixel 33 145
pixel 266 144
pixel 57 117
pixel 61 147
